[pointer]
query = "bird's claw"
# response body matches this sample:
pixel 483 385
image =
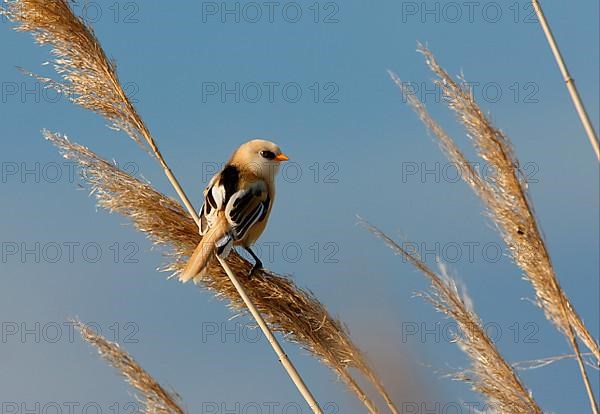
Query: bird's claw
pixel 255 268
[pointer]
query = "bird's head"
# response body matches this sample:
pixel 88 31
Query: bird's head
pixel 261 157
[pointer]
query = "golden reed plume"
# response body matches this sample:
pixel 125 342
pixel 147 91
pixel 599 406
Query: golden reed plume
pixel 490 374
pixel 155 398
pixel 90 79
pixel 292 311
pixel 504 193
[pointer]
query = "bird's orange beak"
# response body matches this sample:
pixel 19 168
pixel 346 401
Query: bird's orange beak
pixel 281 157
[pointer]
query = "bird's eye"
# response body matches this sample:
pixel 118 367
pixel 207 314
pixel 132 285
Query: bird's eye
pixel 270 155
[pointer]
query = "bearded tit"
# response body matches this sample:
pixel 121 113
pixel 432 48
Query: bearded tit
pixel 237 204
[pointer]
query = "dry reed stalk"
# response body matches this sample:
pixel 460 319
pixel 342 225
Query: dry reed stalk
pixel 292 311
pixel 90 80
pixel 155 398
pixel 569 81
pixel 504 193
pixel 281 355
pixel 489 375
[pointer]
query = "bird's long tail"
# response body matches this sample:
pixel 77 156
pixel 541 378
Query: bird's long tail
pixel 216 240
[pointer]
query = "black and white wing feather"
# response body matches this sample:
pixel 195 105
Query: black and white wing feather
pixel 247 207
pixel 243 207
pixel 214 200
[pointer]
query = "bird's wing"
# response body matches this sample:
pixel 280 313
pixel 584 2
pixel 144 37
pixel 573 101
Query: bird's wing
pixel 214 201
pixel 246 207
pixel 243 207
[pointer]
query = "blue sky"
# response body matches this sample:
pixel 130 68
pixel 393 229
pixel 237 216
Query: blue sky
pixel 206 80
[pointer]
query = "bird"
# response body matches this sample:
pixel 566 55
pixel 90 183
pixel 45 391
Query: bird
pixel 237 204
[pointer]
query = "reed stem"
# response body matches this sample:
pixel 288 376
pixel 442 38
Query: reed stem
pixel 593 138
pixel 283 358
pixel 569 81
